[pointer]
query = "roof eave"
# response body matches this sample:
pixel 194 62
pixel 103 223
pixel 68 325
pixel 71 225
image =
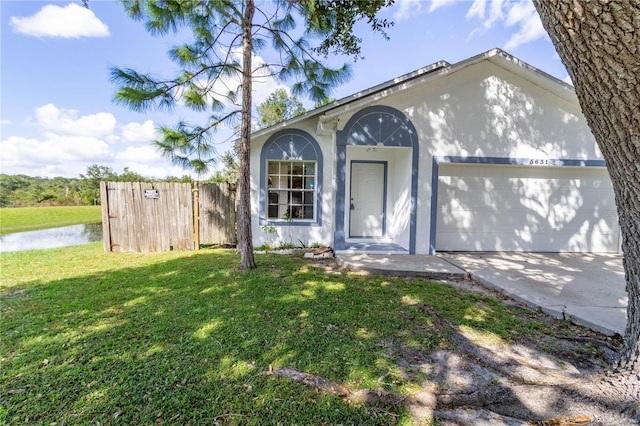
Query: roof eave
pixel 353 98
pixel 496 56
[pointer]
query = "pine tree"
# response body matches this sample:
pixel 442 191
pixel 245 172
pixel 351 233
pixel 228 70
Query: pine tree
pixel 226 35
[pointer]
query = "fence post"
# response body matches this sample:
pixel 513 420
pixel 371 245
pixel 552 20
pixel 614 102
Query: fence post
pixel 196 215
pixel 106 226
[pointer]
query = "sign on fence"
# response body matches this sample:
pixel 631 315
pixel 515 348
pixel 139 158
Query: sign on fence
pixel 131 223
pixel 162 216
pixel 151 193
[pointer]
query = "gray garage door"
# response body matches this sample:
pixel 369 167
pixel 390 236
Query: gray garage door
pixel 522 208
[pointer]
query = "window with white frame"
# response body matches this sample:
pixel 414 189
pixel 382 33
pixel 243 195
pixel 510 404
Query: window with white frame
pixel 291 171
pixel 291 190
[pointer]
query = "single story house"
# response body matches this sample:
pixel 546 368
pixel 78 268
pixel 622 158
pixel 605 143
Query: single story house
pixel 487 154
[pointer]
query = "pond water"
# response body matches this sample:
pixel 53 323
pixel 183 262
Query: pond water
pixel 50 238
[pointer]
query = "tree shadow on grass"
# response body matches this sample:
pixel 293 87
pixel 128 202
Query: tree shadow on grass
pixel 189 340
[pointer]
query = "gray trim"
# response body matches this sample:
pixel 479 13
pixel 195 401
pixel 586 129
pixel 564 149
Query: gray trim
pixel 519 161
pixel 408 137
pixel 435 171
pixel 296 145
pixel 384 194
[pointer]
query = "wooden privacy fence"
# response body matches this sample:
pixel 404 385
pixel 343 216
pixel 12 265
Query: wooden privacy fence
pixel 163 216
pixel 217 213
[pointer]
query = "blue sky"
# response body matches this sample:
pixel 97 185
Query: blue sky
pixel 56 111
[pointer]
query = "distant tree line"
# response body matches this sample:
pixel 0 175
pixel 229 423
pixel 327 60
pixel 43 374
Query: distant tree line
pixel 23 190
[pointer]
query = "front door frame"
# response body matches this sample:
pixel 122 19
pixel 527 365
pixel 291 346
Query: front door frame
pixel 384 196
pixel 374 126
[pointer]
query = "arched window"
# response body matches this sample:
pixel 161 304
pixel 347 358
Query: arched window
pixel 291 179
pixel 379 125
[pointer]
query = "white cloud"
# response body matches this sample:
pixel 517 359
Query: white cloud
pixel 147 161
pixel 68 143
pixel 137 133
pixel 4 122
pixel 477 9
pixel 66 121
pixel 488 11
pixel 495 13
pixel 70 21
pixel 525 16
pixel 437 4
pixel 158 171
pixel 76 148
pixel 138 154
pixel 263 87
pixel 405 9
pixel 53 154
pixel 520 14
pixel 48 170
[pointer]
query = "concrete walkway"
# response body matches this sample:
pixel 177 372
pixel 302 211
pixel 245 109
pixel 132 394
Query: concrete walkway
pixel 587 289
pixel 431 267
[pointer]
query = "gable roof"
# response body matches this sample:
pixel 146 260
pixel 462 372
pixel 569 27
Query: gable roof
pixel 432 72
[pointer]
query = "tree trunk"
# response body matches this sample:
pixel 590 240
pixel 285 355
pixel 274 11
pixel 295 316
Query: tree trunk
pixel 245 239
pixel 599 43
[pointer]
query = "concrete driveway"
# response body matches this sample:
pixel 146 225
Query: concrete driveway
pixel 588 289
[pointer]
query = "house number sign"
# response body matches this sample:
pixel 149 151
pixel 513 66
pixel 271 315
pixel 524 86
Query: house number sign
pixel 151 194
pixel 541 162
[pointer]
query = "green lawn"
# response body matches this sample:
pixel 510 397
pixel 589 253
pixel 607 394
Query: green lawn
pixel 33 218
pixel 91 337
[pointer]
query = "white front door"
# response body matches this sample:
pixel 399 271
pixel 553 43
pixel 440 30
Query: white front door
pixel 367 200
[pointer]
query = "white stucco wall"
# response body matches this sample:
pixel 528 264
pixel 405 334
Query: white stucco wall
pixel 482 110
pixel 485 111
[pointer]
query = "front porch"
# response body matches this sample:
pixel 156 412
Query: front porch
pixel 372 247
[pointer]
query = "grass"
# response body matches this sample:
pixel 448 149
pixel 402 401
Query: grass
pixel 185 338
pixel 33 218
